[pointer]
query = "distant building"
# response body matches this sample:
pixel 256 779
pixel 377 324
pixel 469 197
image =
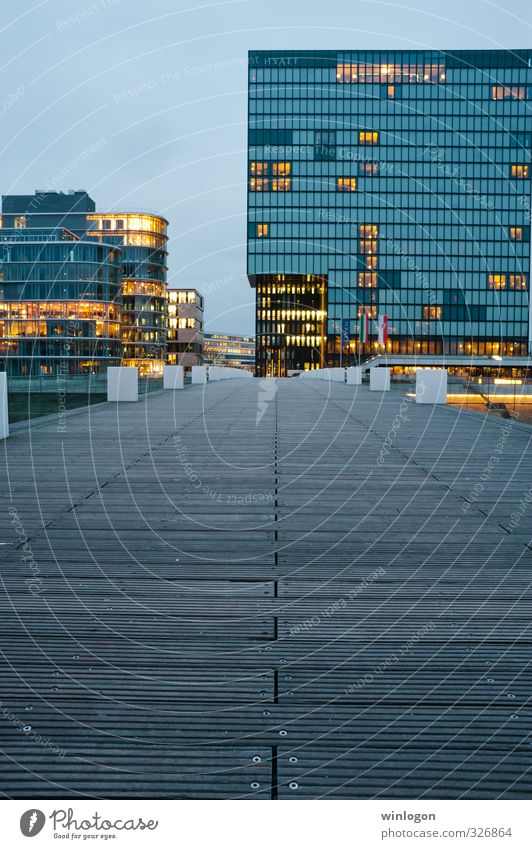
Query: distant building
pixel 42 274
pixel 220 349
pixel 60 303
pixel 184 327
pixel 44 210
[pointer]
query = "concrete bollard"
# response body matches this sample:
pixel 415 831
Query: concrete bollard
pixel 199 374
pixel 431 386
pixel 4 411
pixel 122 383
pixel 379 379
pixel 354 376
pixel 173 377
pixel 215 373
pixel 337 375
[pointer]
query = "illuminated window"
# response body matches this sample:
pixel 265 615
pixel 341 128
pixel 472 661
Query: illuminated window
pixel 516 234
pixel 514 92
pixel 367 280
pixel 346 184
pixel 369 231
pixel 497 281
pixel 281 169
pixel 347 73
pixel 258 169
pixel 367 310
pixel 258 184
pixel 368 246
pixel 368 137
pixel 370 261
pixel 369 169
pixel 520 172
pixel 20 222
pixel 517 281
pixel 431 312
pixel 281 184
pixel 263 230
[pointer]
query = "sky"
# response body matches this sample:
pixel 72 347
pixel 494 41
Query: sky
pixel 144 105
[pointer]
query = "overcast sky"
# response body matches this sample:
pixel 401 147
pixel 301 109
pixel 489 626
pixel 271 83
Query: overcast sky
pixel 151 97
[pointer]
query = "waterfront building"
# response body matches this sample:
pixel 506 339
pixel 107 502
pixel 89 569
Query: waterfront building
pixel 222 349
pixel 60 304
pixel 389 183
pixel 185 327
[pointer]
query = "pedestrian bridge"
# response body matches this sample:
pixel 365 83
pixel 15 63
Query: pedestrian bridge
pixel 262 589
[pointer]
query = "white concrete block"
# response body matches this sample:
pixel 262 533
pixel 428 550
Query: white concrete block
pixel 199 374
pixel 173 377
pixel 122 383
pixel 431 386
pixel 354 376
pixel 337 375
pixel 379 379
pixel 215 373
pixel 4 413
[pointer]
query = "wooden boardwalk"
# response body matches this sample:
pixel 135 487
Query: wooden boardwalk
pixel 267 590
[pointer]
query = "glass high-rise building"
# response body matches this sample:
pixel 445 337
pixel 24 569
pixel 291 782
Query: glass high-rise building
pixel 389 183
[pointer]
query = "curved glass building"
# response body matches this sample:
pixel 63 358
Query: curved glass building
pixel 60 303
pixel 142 238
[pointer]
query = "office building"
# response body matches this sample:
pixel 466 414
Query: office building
pixel 140 240
pixel 389 183
pixel 143 239
pixel 220 349
pixel 185 327
pixel 60 302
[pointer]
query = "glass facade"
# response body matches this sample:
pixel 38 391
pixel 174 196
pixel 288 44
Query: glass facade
pixel 219 349
pixel 60 304
pixel 142 238
pixel 389 183
pixel 184 327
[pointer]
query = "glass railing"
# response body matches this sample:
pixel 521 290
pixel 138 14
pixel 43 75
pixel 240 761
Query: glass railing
pixel 29 398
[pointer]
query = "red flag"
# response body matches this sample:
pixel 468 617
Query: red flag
pixel 383 329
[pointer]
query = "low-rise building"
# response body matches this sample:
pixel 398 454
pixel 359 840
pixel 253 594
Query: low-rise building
pixel 184 341
pixel 221 349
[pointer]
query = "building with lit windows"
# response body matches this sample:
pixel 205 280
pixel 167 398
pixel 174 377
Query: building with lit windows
pixel 60 303
pixel 142 238
pixel 185 327
pixel 390 184
pixel 220 349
